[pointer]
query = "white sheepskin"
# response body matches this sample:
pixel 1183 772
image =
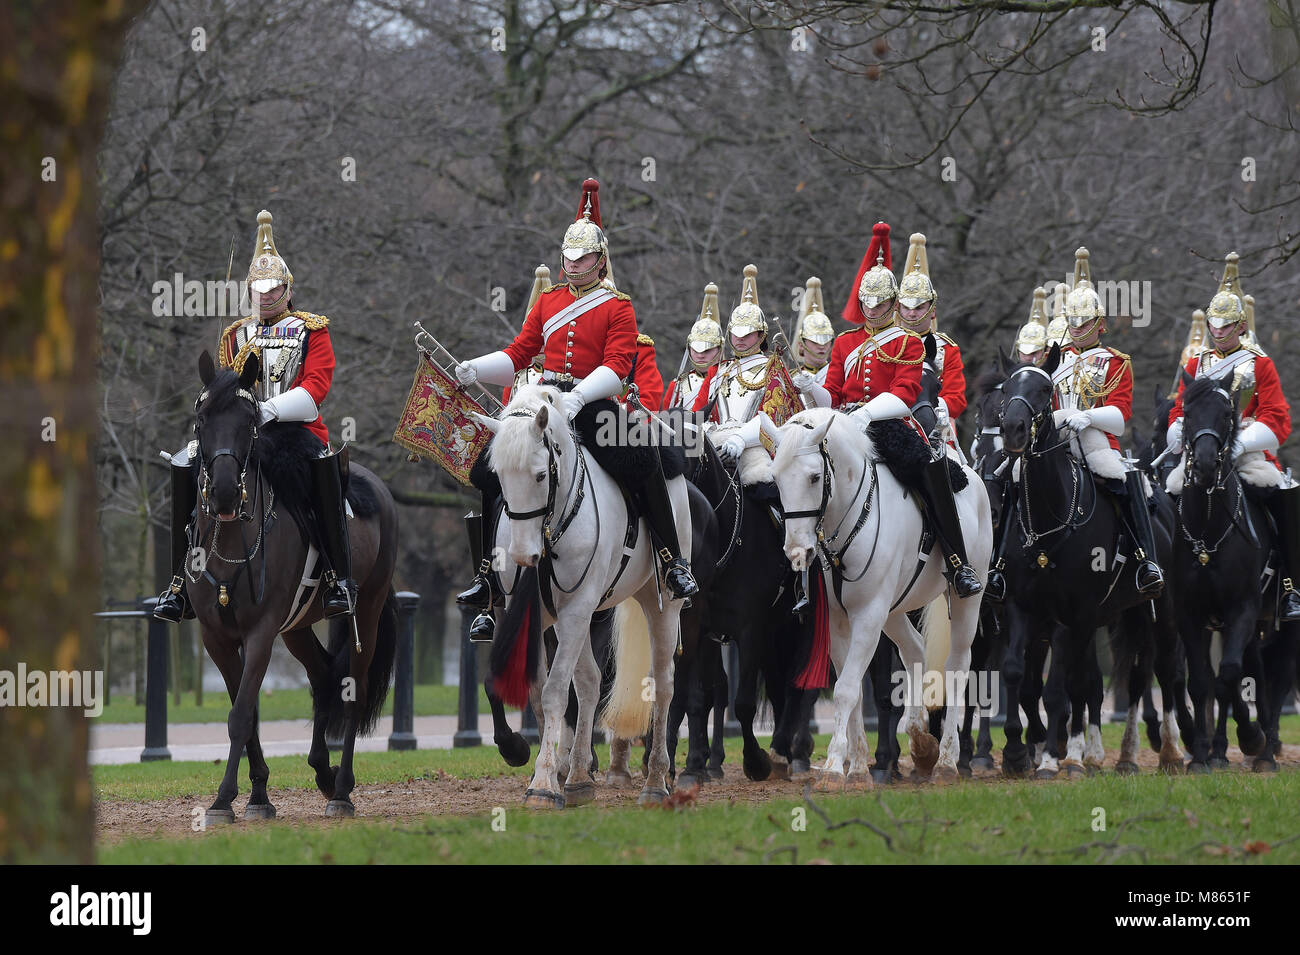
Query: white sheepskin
pixel 1103 460
pixel 755 464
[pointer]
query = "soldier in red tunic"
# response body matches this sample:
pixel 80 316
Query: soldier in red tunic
pixel 586 330
pixel 296 362
pixel 876 370
pixel 1265 415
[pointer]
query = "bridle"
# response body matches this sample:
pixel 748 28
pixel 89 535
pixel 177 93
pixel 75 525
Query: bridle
pixel 1200 549
pixel 206 461
pixel 1220 456
pixel 833 558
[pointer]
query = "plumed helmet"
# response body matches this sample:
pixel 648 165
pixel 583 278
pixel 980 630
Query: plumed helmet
pixel 1083 304
pixel 268 268
pixel 747 317
pixel 875 283
pixel 706 333
pixel 814 324
pixel 916 289
pixel 1227 307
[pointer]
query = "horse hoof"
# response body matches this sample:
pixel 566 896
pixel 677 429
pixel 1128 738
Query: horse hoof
pixel 690 781
pixel 715 772
pixel 1198 769
pixel 1126 767
pixel 1252 744
pixel 780 766
pixel 964 770
pixel 829 782
pixel 617 779
pixel 218 817
pixel 1219 762
pixel 882 777
pixel 982 763
pixel 925 753
pixel 543 799
pixel 1264 764
pixel 340 809
pixel 800 767
pixel 260 810
pixel 1046 773
pixel 651 797
pixel 1073 770
pixel 945 774
pixel 758 767
pixel 858 781
pixel 1171 767
pixel 513 749
pixel 579 794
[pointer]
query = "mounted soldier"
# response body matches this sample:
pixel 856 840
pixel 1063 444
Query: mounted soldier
pixel 814 337
pixel 875 374
pixel 586 330
pixel 1242 369
pixel 703 349
pixel 1093 385
pixel 295 369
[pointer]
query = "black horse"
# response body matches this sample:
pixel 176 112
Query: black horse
pixel 1069 572
pixel 256 479
pixel 1225 567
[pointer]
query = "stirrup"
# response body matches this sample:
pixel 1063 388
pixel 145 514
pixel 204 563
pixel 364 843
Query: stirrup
pixel 482 629
pixel 677 574
pixel 995 589
pixel 965 582
pixel 1154 587
pixel 341 598
pixel 479 592
pixel 173 604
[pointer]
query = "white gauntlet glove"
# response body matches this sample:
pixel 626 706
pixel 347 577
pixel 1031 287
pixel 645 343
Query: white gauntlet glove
pixel 803 380
pixel 466 373
pixel 1174 437
pixel 572 402
pixel 731 449
pixel 296 404
pixel 1078 421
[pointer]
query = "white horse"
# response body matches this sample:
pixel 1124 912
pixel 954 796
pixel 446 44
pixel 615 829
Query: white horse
pixel 564 507
pixel 826 471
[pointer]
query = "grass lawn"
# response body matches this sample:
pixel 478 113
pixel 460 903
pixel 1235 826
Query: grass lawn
pixel 280 705
pixel 1147 819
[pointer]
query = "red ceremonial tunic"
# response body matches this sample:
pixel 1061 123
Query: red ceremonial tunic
pixel 1118 372
pixel 314 374
pixel 952 377
pixel 893 366
pixel 1267 405
pixel 649 383
pixel 579 344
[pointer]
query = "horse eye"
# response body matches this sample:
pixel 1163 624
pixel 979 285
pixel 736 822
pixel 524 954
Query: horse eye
pixel 201 420
pixel 814 478
pixel 541 476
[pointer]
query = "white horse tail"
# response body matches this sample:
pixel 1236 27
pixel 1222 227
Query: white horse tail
pixel 936 632
pixel 627 712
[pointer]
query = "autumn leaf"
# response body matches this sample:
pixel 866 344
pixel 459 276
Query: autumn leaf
pixel 1258 848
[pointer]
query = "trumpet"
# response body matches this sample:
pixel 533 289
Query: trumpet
pixel 446 362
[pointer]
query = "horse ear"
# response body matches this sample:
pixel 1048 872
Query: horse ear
pixel 543 416
pixel 492 424
pixel 1185 378
pixel 1053 359
pixel 207 370
pixel 248 376
pixel 931 349
pixel 819 432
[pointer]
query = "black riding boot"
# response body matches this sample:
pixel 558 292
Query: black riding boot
pixel 942 507
pixel 174 603
pixel 1286 511
pixel 995 589
pixel 659 514
pixel 1150 579
pixel 482 591
pixel 327 483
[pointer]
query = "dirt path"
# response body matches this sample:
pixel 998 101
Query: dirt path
pixel 444 794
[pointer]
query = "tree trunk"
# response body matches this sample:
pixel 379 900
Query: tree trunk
pixel 56 69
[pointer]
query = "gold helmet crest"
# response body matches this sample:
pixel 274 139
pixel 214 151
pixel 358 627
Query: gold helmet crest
pixel 1083 304
pixel 747 317
pixel 268 268
pixel 1227 307
pixel 706 333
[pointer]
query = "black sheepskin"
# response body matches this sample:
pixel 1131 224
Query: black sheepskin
pixel 628 465
pixel 906 454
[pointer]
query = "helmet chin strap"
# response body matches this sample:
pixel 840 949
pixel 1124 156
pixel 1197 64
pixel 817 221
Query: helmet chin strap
pixel 587 278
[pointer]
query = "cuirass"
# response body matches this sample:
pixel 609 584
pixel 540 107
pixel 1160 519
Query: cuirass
pixel 281 347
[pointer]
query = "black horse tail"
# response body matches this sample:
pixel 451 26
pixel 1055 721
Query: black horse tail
pixel 377 677
pixel 518 636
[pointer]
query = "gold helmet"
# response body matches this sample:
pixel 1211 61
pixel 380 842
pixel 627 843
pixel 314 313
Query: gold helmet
pixel 1083 304
pixel 747 317
pixel 706 333
pixel 1033 334
pixel 1227 307
pixel 916 288
pixel 585 235
pixel 813 323
pixel 268 268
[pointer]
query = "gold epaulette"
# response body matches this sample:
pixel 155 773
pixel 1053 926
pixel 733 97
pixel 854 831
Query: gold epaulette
pixel 946 338
pixel 311 320
pixel 552 288
pixel 623 295
pixel 225 357
pixel 643 339
pixel 1254 348
pixel 1116 353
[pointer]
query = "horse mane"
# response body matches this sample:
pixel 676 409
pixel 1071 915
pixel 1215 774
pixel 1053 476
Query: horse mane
pixel 811 419
pixel 988 381
pixel 513 446
pixel 222 391
pixel 1198 390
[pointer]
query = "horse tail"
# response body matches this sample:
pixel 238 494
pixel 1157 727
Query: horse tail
pixel 816 671
pixel 936 633
pixel 513 663
pixel 377 676
pixel 627 713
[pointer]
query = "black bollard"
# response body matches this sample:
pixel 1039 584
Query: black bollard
pixel 155 688
pixel 467 733
pixel 403 734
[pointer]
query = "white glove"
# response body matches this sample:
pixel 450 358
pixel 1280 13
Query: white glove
pixel 1255 437
pixel 1078 421
pixel 572 402
pixel 466 373
pixel 496 368
pixel 941 411
pixel 803 380
pixel 603 382
pixel 732 448
pixel 1174 437
pixel 296 404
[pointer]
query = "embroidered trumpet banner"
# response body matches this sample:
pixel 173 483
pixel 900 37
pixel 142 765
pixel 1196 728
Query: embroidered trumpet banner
pixel 438 421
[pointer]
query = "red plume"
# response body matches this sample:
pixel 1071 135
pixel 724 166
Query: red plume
pixel 879 244
pixel 590 191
